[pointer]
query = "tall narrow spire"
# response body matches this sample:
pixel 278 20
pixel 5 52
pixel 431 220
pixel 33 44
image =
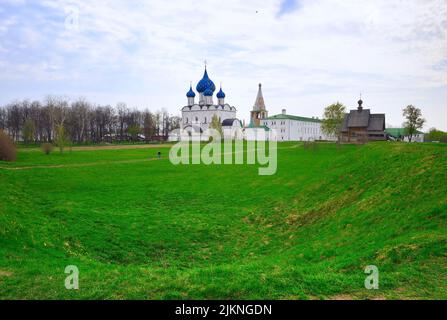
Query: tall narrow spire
pixel 259 111
pixel 259 103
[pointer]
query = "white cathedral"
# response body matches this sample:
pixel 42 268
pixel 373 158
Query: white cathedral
pixel 197 117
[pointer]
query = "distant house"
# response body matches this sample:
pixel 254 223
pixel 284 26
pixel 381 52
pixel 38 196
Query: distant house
pixel 296 128
pixel 400 134
pixel 282 127
pixel 361 125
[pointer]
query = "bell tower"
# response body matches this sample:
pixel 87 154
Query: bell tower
pixel 259 111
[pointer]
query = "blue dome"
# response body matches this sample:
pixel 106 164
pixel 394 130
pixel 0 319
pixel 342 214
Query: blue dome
pixel 220 94
pixel 190 93
pixel 205 83
pixel 208 92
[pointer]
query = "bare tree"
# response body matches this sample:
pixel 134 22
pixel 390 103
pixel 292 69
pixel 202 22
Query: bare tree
pixel 81 121
pixel 122 112
pixel 14 120
pixel 148 124
pixel 3 117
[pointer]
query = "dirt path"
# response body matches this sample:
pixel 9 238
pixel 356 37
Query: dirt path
pixel 77 165
pixel 90 164
pixel 111 147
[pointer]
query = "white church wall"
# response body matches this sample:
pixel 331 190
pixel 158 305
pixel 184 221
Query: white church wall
pixel 256 134
pixel 204 117
pixel 233 132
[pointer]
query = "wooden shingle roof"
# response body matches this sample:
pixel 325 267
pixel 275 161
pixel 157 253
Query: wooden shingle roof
pixel 363 118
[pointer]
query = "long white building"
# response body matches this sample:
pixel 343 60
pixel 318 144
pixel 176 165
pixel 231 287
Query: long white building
pixel 295 128
pixel 286 127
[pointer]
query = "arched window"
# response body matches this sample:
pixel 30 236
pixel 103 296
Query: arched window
pixel 205 119
pixel 186 120
pixel 197 119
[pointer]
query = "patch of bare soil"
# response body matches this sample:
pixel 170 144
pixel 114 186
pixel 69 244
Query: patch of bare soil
pixel 4 273
pixel 76 165
pixel 346 297
pixel 123 147
pixel 343 297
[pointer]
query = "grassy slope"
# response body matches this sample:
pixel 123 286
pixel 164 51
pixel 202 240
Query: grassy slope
pixel 147 229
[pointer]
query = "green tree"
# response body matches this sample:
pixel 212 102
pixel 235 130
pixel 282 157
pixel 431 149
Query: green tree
pixel 333 119
pixel 61 138
pixel 216 124
pixel 414 121
pixel 29 130
pixel 435 135
pixel 134 130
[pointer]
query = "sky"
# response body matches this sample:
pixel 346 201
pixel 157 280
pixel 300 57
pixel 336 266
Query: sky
pixel 307 54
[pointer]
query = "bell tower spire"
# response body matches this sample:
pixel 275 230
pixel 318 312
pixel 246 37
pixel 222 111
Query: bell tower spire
pixel 259 111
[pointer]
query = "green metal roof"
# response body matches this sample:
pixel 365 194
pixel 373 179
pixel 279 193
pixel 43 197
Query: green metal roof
pixel 398 132
pixel 289 117
pixel 251 125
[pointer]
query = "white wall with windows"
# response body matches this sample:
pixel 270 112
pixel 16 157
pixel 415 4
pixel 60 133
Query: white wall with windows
pixel 202 115
pixel 298 129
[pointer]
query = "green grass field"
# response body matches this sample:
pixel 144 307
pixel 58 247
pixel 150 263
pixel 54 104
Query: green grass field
pixel 140 228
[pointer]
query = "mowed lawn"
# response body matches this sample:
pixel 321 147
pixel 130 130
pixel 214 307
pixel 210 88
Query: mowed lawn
pixel 142 228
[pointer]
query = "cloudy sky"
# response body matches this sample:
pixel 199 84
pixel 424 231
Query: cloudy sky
pixel 306 53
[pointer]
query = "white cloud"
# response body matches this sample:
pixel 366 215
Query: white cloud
pixel 395 52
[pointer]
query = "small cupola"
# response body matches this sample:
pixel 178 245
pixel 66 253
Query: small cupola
pixel 190 95
pixel 360 107
pixel 220 97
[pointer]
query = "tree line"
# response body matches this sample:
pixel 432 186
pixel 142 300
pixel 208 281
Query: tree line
pixel 435 135
pixel 81 121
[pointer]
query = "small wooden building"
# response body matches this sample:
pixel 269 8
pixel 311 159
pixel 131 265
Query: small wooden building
pixel 362 126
